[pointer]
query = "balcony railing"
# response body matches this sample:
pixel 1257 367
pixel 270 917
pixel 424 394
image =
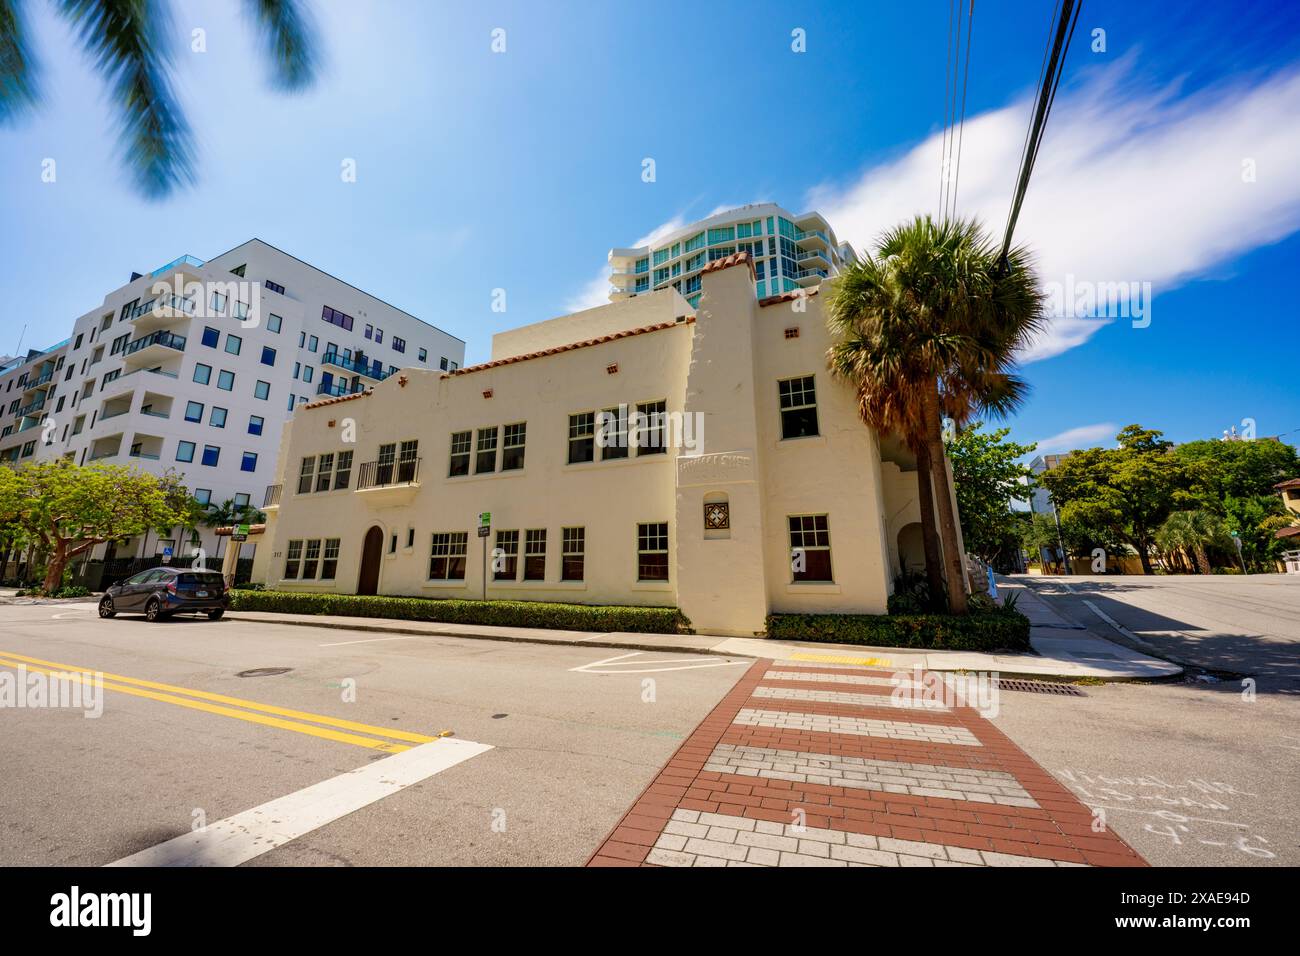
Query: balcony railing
pixel 338 388
pixel 373 369
pixel 272 497
pixel 179 303
pixel 38 382
pixel 168 339
pixel 30 407
pixel 382 474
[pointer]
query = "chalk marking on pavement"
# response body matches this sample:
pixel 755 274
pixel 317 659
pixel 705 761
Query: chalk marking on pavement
pixel 249 834
pixel 136 687
pixel 620 662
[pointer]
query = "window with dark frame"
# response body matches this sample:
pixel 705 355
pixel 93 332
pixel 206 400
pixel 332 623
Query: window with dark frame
pixel 573 553
pixel 798 407
pixel 613 433
pixel 461 445
pixel 651 427
pixel 305 475
pixel 512 448
pixel 652 551
pixel 810 548
pixel 447 556
pixel 486 457
pixel 535 554
pixel 506 558
pixel 582 437
pixel 293 560
pixel 324 472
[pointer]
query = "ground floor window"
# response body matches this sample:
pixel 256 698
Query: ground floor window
pixel 505 558
pixel 810 548
pixel 304 561
pixel 573 559
pixel 535 554
pixel 652 551
pixel 447 558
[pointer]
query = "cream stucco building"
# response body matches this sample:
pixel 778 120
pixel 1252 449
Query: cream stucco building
pixel 645 452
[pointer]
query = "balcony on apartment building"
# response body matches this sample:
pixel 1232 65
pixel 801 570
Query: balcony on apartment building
pixel 33 406
pixel 357 364
pixel 331 387
pixel 146 447
pixel 41 380
pixel 107 447
pixel 271 500
pixel 389 479
pixel 163 312
pixel 810 277
pixel 152 348
pixel 153 404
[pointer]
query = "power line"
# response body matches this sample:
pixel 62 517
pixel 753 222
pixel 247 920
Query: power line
pixel 961 127
pixel 1048 82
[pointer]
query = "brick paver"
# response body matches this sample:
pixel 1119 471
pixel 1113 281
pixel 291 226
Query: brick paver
pixel 821 766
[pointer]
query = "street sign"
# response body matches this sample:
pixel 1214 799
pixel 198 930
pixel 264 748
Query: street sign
pixel 240 533
pixel 167 552
pixel 484 531
pixel 485 519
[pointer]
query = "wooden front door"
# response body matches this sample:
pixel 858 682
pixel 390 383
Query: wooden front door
pixel 371 554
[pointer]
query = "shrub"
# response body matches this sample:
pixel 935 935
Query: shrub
pixel 566 617
pixel 1001 629
pixel 71 591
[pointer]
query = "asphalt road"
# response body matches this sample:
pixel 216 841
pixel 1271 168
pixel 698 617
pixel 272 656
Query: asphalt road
pixel 571 750
pixel 1247 626
pixel 1203 771
pixel 1188 773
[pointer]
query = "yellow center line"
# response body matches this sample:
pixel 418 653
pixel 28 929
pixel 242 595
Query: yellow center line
pixel 152 689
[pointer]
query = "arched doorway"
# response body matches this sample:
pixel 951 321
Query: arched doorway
pixel 911 548
pixel 371 554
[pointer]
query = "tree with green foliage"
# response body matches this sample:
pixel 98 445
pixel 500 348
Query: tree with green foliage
pixel 987 474
pixel 69 508
pixel 1119 495
pixel 129 42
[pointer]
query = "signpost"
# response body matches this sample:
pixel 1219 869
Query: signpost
pixel 240 533
pixel 1236 539
pixel 484 530
pixel 167 555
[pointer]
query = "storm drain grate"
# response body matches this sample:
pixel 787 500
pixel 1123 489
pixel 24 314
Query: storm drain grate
pixel 1041 687
pixel 265 672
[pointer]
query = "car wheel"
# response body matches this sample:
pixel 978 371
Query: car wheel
pixel 106 608
pixel 153 610
pixel 216 615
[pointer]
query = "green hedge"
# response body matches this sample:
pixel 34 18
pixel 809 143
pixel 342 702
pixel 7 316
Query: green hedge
pixel 976 631
pixel 565 617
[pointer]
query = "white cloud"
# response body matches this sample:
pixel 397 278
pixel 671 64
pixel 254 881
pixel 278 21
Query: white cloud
pixel 595 292
pixel 1133 183
pixel 1073 439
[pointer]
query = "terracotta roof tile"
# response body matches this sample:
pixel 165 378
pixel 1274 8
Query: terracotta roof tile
pixel 787 297
pixel 569 348
pixel 1289 483
pixel 1288 532
pixel 726 262
pixel 334 400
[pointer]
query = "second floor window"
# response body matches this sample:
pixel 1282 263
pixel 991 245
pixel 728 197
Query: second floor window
pixel 461 443
pixel 798 407
pixel 512 450
pixel 486 460
pixel 582 437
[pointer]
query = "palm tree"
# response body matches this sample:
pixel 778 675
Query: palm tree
pixel 127 41
pixel 937 317
pixel 228 513
pixel 1190 532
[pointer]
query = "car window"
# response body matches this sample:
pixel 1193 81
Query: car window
pixel 139 578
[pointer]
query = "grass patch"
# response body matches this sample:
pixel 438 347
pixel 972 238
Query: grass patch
pixel 564 617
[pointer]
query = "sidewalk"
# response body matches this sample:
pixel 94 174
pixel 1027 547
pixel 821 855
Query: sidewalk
pixel 821 766
pixel 1060 650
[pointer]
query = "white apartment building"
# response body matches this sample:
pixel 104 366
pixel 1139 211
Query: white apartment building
pixel 196 366
pixel 789 252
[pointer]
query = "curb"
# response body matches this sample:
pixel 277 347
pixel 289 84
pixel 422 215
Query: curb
pixel 504 638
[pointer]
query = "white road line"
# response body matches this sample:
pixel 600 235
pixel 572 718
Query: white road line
pixel 376 640
pixel 619 665
pixel 1118 626
pixel 246 835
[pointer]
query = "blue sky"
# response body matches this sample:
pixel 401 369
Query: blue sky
pixel 519 170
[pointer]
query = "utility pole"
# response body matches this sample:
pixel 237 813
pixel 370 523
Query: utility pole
pixel 1060 543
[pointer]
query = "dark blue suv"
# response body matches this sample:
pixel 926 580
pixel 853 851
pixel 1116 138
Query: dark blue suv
pixel 162 592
